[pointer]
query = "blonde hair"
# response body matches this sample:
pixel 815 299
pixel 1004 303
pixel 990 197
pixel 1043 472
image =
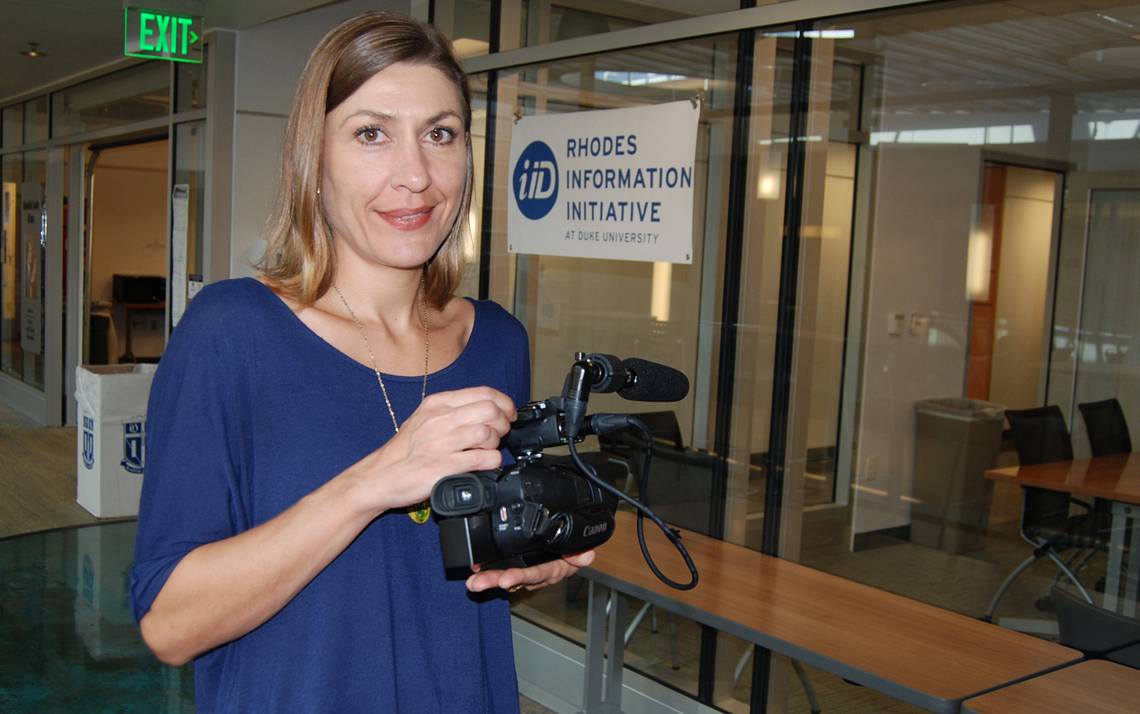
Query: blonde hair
pixel 299 258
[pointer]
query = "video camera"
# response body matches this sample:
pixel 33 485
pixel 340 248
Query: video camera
pixel 539 509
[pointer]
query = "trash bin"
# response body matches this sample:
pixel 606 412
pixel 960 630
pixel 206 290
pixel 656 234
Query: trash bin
pixel 112 428
pixel 956 440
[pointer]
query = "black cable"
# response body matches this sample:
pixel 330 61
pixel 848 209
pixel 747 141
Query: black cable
pixel 642 510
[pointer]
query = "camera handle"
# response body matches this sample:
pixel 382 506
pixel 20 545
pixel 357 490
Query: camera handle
pixel 609 422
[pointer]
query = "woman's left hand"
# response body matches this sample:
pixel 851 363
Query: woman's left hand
pixel 532 578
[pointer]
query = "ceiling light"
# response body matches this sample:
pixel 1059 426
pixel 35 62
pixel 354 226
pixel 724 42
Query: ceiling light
pixel 844 34
pixel 33 51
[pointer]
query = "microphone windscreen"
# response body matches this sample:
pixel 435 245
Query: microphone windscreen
pixel 655 382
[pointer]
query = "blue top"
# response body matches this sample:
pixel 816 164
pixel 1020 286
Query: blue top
pixel 249 411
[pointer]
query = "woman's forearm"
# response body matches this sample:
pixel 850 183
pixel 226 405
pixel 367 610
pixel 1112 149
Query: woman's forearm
pixel 222 590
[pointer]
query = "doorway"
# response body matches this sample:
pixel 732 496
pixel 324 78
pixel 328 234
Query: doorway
pixel 1010 269
pixel 127 256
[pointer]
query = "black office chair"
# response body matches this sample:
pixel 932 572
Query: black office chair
pixel 1107 428
pixel 627 446
pixel 1127 656
pixel 1041 436
pixel 1098 633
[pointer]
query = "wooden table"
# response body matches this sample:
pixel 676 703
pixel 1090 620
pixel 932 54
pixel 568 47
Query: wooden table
pixel 1092 686
pixel 910 650
pixel 1114 478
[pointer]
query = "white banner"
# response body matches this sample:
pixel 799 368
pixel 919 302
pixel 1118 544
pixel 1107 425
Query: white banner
pixel 614 184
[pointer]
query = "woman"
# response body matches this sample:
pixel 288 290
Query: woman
pixel 298 422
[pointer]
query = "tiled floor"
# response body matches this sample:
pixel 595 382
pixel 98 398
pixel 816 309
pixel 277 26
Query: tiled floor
pixel 10 418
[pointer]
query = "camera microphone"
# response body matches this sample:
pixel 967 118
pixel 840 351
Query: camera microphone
pixel 636 379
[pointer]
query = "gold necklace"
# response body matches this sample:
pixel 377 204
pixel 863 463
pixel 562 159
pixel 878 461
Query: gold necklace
pixel 422 511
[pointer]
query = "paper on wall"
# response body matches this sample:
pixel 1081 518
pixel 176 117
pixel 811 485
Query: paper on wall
pixel 180 198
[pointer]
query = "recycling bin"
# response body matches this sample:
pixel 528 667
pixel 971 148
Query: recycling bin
pixel 110 453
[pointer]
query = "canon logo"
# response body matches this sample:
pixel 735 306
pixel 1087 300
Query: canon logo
pixel 595 529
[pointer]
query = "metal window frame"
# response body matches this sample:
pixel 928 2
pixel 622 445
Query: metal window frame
pixel 783 13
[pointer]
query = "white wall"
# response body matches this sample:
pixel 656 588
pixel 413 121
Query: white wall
pixel 270 58
pixel 924 199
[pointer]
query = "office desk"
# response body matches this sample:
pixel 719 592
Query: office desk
pixel 1114 478
pixel 909 650
pixel 1092 686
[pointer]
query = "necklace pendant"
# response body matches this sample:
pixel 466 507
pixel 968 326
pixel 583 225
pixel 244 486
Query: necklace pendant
pixel 420 513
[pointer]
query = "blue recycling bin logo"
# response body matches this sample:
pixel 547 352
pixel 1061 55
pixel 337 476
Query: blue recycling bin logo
pixel 535 180
pixel 88 443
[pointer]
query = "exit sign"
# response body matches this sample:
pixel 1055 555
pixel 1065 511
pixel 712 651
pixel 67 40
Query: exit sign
pixel 161 34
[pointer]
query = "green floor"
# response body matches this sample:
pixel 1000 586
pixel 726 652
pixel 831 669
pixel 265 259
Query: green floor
pixel 70 643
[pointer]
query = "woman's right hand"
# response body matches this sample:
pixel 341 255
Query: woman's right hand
pixel 450 433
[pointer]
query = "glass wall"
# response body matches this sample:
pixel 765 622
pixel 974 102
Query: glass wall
pixel 963 217
pixel 119 99
pixel 528 23
pixel 968 227
pixel 571 304
pixel 23 237
pixel 13 126
pixel 668 313
pixel 36 120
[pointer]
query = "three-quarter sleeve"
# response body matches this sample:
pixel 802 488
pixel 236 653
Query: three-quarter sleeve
pixel 194 434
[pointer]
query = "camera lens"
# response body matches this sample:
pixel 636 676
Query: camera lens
pixel 464 495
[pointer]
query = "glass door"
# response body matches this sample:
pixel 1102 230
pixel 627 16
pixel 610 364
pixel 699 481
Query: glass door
pixel 32 216
pixel 1108 346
